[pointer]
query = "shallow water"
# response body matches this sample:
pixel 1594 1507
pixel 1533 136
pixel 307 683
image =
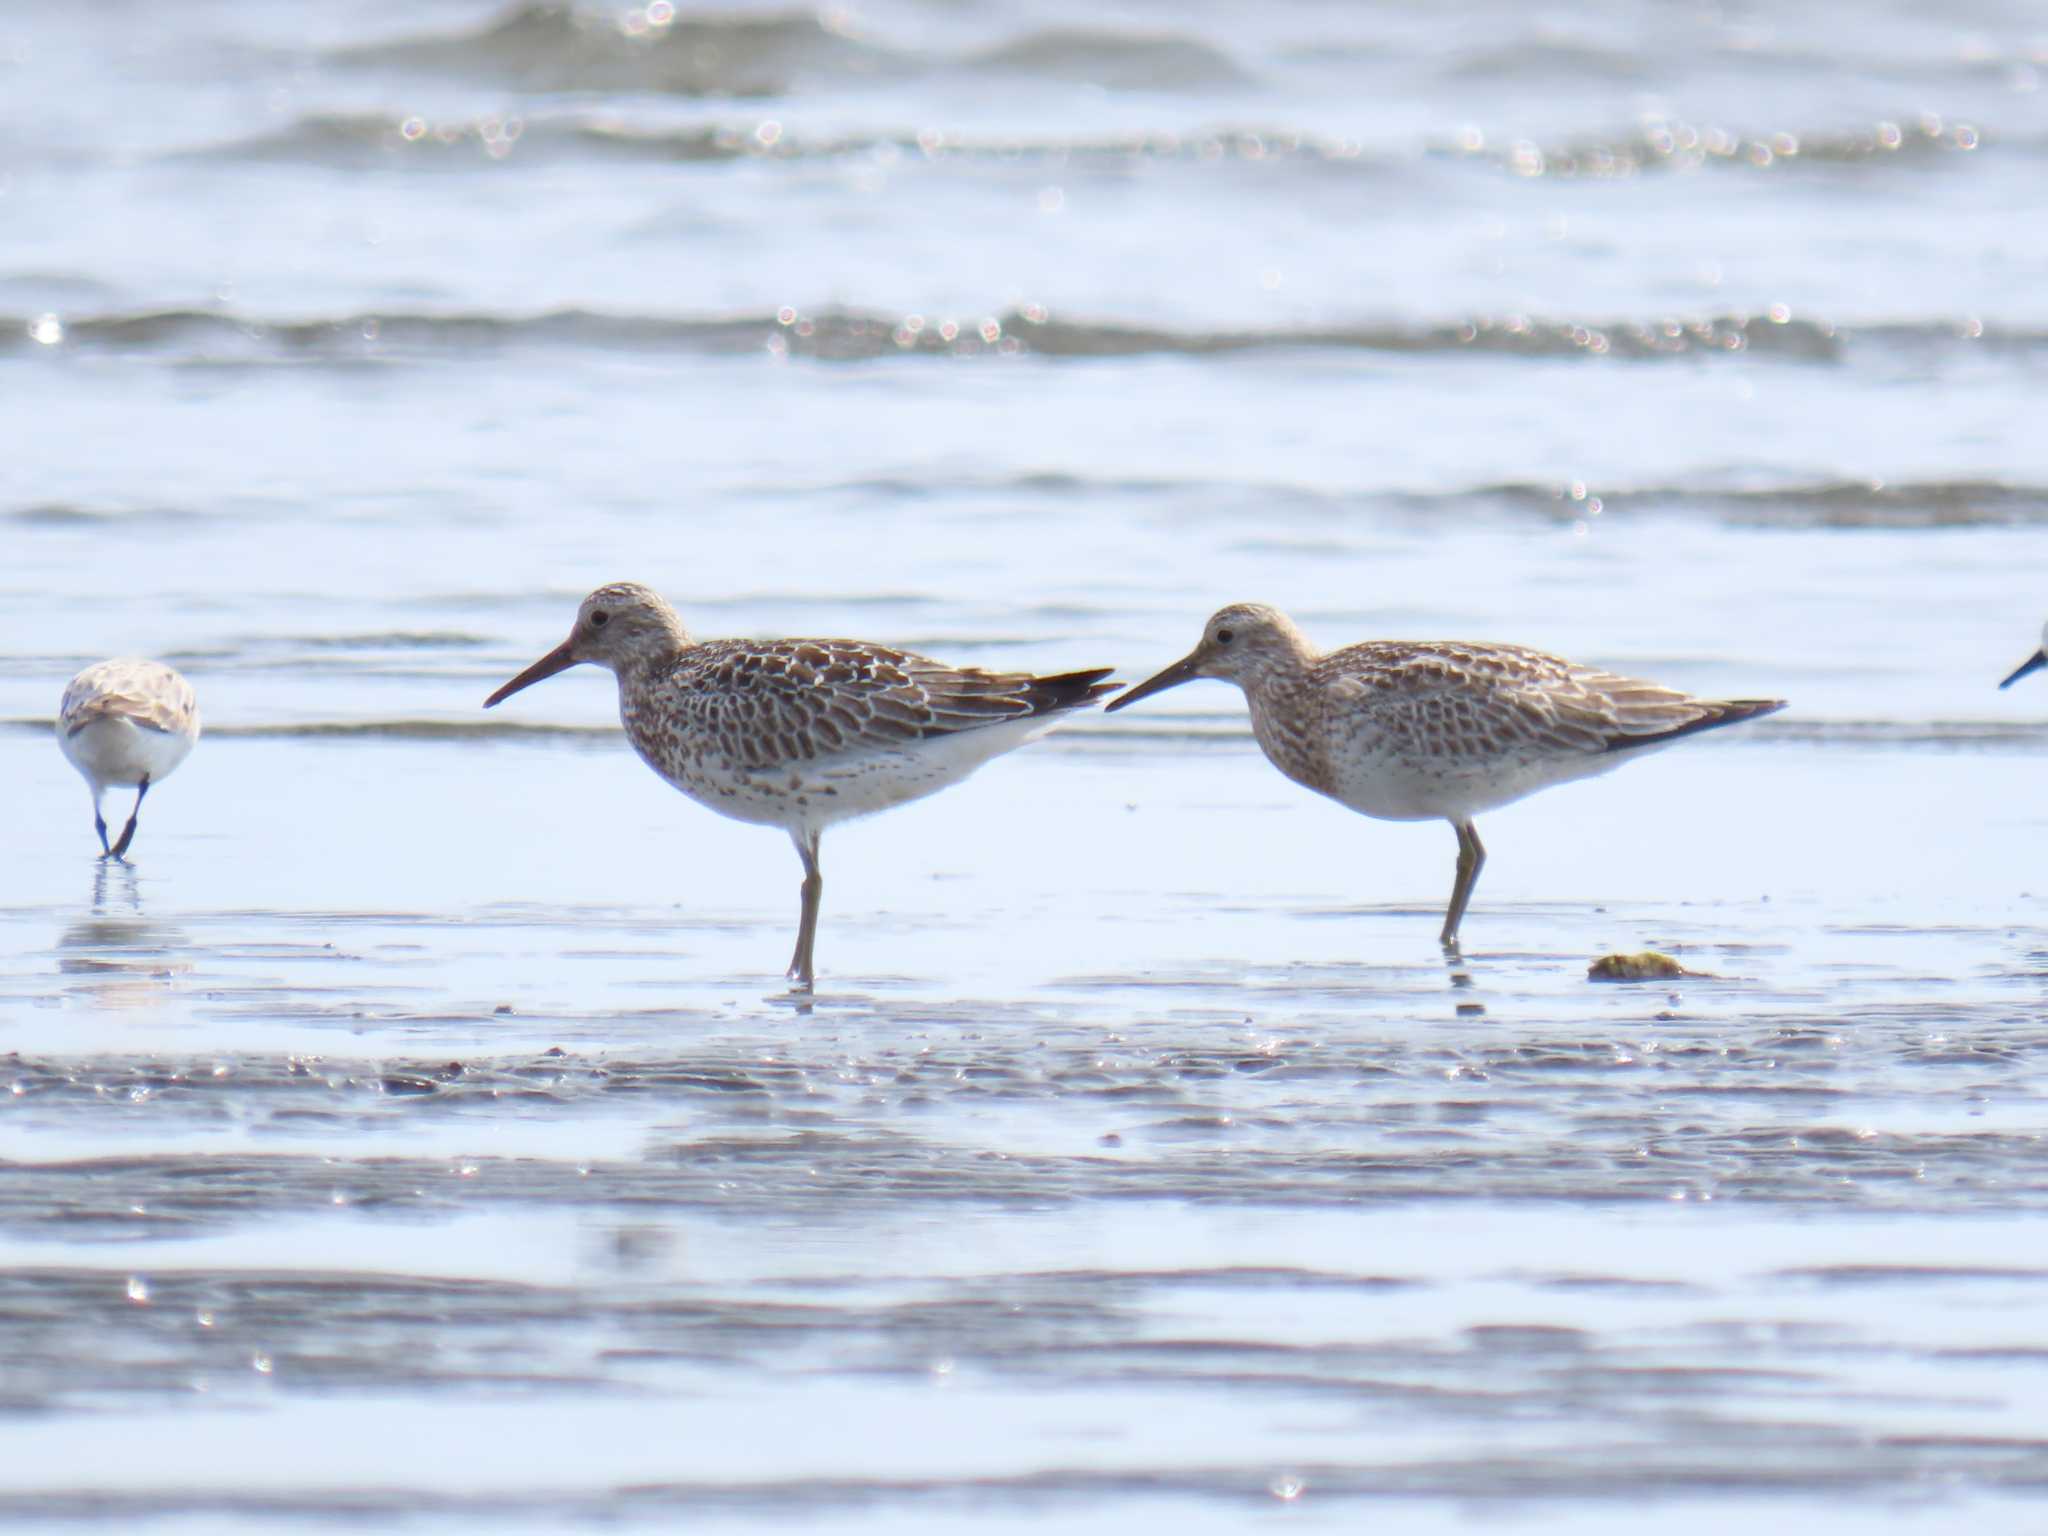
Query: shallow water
pixel 418 1130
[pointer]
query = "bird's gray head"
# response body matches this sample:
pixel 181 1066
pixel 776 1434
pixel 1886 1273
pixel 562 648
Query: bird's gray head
pixel 622 626
pixel 1246 644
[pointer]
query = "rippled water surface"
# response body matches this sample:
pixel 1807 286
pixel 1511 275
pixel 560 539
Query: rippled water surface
pixel 418 1131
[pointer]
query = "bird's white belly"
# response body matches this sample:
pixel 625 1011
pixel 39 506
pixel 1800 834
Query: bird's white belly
pixel 112 751
pixel 812 794
pixel 1397 787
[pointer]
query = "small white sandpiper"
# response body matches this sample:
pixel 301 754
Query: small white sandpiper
pixel 2032 664
pixel 799 734
pixel 1416 730
pixel 126 723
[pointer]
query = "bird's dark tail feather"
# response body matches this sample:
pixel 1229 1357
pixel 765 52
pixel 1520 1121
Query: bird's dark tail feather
pixel 1719 712
pixel 1069 690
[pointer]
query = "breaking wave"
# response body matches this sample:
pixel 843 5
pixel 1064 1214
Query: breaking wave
pixel 370 140
pixel 661 50
pixel 1093 734
pixel 843 335
pixel 558 48
pixel 1847 504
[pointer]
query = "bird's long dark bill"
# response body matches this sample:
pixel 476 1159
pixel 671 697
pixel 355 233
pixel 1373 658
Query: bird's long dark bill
pixel 2033 663
pixel 557 660
pixel 1182 671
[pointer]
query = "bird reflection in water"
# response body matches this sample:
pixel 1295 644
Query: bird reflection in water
pixel 120 957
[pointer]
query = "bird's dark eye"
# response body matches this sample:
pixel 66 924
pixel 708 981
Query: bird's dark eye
pixel 600 618
pixel 1223 636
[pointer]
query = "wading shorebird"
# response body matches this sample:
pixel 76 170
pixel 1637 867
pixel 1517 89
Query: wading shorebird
pixel 1416 730
pixel 126 723
pixel 2032 664
pixel 799 734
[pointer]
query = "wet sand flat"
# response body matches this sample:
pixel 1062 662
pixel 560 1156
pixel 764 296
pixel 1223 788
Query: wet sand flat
pixel 1181 1206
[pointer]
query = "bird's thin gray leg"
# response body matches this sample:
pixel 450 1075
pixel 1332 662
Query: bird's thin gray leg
pixel 99 825
pixel 801 970
pixel 1471 858
pixel 128 832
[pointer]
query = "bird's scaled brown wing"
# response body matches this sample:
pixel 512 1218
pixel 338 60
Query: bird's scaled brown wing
pixel 1447 700
pixel 142 698
pixel 773 701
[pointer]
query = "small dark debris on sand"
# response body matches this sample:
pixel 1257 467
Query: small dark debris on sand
pixel 1646 965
